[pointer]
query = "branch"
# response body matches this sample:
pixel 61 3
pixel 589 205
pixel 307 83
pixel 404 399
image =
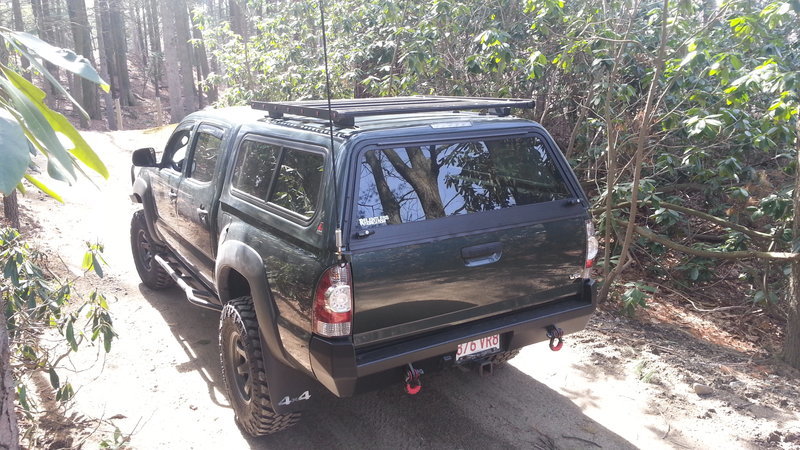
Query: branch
pixel 749 254
pixel 705 216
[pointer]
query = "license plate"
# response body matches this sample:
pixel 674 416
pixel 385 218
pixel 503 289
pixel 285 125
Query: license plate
pixel 487 344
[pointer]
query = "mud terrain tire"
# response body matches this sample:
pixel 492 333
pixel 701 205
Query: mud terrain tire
pixel 144 250
pixel 244 373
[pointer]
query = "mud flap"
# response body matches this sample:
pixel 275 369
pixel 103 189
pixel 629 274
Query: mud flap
pixel 289 389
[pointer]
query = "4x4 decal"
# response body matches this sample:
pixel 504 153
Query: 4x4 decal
pixel 285 401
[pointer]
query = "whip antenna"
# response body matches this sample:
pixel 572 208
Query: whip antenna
pixel 338 231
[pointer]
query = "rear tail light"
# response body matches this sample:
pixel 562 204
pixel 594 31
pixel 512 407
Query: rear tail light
pixel 333 302
pixel 591 249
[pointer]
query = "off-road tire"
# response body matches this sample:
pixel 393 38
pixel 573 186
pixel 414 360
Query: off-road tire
pixel 144 250
pixel 244 373
pixel 502 357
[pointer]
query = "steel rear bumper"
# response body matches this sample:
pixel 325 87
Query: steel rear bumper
pixel 344 370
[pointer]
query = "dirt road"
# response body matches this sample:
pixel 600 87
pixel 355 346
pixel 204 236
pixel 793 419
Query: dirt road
pixel 161 383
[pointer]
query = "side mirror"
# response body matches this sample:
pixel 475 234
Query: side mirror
pixel 144 157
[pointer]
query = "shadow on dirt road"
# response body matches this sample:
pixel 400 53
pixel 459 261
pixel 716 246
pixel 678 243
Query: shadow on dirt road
pixel 455 409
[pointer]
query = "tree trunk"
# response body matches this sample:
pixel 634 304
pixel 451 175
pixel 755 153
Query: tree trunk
pixel 19 25
pixel 644 135
pixel 176 107
pixel 104 67
pixel 151 11
pixel 237 17
pixel 40 9
pixel 79 22
pixel 120 50
pixel 139 41
pixel 611 139
pixel 9 433
pixel 201 57
pixel 185 51
pixel 106 46
pixel 791 349
pixel 11 209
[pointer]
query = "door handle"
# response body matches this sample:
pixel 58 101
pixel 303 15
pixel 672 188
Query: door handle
pixel 203 215
pixel 480 255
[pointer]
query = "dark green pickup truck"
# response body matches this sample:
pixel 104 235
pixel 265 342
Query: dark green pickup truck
pixel 364 244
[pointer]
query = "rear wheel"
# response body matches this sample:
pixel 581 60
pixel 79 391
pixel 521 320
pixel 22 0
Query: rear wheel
pixel 244 373
pixel 144 251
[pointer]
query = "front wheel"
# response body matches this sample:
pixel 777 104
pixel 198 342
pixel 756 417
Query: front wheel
pixel 144 251
pixel 244 373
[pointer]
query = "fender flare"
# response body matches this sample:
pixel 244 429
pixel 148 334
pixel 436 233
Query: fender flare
pixel 236 255
pixel 288 385
pixel 144 195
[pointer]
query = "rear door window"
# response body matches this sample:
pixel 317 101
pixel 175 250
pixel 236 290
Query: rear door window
pixel 255 165
pixel 288 178
pixel 298 182
pixel 416 183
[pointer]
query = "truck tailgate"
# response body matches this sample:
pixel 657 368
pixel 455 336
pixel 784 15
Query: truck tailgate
pixel 406 290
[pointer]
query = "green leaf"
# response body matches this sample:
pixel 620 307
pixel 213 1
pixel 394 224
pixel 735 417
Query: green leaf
pixel 22 397
pixel 108 335
pixel 70 335
pixel 34 60
pixel 61 57
pixel 98 268
pixel 87 261
pixel 10 271
pixel 14 153
pixel 37 125
pixel 43 187
pixel 59 123
pixel 54 381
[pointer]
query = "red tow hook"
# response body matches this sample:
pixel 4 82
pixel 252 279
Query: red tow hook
pixel 554 333
pixel 412 381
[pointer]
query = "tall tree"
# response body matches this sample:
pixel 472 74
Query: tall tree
pixel 171 66
pixel 19 25
pixel 112 27
pixel 45 30
pixel 105 68
pixel 82 40
pixel 120 49
pixel 238 16
pixel 151 16
pixel 185 51
pixel 201 59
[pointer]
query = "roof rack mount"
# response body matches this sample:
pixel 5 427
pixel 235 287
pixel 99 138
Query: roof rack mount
pixel 344 111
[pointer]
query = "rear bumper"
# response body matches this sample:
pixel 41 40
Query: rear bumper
pixel 345 371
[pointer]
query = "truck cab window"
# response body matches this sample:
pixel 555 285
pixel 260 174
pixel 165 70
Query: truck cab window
pixel 204 156
pixel 175 152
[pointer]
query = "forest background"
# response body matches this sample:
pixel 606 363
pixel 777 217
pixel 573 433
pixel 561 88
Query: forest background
pixel 679 117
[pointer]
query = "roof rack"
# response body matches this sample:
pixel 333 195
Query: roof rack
pixel 344 111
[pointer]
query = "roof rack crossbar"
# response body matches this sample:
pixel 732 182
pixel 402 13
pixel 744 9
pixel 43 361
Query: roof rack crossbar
pixel 344 111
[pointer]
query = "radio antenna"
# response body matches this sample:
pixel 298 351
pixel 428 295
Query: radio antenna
pixel 338 230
